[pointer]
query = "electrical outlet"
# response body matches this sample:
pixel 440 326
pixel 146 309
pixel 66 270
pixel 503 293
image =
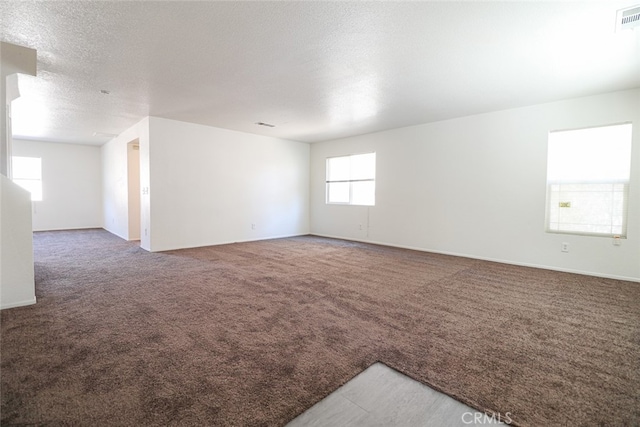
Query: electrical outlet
pixel 564 247
pixel 616 241
pixel 360 227
pixel 253 226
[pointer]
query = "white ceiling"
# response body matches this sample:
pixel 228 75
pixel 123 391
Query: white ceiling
pixel 316 70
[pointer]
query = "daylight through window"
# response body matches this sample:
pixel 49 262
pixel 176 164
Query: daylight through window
pixel 351 179
pixel 27 173
pixel 588 180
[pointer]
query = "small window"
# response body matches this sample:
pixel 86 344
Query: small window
pixel 351 180
pixel 588 180
pixel 27 173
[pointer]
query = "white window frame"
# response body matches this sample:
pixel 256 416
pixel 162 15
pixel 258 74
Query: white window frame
pixel 24 180
pixel 561 191
pixel 350 181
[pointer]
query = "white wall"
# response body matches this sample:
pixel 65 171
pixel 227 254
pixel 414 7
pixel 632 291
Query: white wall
pixel 209 185
pixel 17 285
pixel 71 184
pixel 476 186
pixel 134 191
pixel 115 185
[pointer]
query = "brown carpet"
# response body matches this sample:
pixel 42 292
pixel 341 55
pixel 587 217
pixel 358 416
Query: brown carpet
pixel 256 333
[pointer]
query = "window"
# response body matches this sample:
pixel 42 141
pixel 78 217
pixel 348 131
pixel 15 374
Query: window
pixel 27 173
pixel 588 180
pixel 351 180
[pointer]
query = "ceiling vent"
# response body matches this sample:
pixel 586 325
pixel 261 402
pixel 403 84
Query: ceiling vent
pixel 628 18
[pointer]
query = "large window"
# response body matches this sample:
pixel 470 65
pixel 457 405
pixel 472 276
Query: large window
pixel 27 173
pixel 588 180
pixel 351 180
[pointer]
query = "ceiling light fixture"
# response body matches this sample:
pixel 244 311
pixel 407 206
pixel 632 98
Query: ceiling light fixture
pixel 265 124
pixel 104 135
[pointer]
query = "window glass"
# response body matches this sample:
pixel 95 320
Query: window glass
pixel 338 192
pixel 351 179
pixel 588 180
pixel 27 173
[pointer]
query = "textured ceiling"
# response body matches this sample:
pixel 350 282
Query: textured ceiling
pixel 316 70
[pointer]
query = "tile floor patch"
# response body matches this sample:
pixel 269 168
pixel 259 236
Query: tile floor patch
pixel 381 396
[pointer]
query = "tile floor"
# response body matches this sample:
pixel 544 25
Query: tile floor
pixel 381 396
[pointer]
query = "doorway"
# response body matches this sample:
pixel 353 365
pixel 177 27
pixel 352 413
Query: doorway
pixel 133 179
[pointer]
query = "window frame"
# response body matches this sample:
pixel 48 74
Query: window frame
pixel 19 180
pixel 350 181
pixel 625 183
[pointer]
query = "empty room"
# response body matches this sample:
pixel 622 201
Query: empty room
pixel 320 213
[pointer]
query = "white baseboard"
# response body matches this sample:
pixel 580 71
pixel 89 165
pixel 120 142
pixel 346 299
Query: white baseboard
pixel 18 304
pixel 69 228
pixel 114 233
pixel 225 242
pixel 502 261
